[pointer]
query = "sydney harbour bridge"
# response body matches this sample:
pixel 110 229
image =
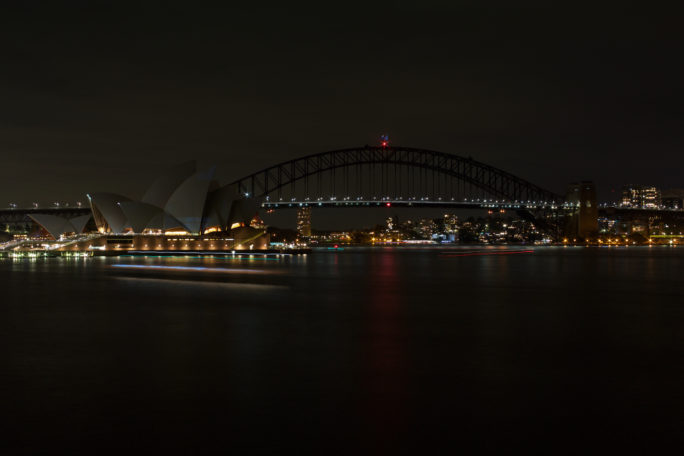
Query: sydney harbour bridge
pixel 384 175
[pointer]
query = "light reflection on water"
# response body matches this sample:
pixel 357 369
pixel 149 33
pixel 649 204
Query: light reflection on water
pixel 376 350
pixel 200 269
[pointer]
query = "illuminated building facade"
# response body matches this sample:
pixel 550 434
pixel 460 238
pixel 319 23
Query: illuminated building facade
pixel 304 221
pixel 640 197
pixel 242 238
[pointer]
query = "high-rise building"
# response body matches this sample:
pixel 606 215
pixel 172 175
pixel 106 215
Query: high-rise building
pixel 630 196
pixel 640 197
pixel 650 198
pixel 304 221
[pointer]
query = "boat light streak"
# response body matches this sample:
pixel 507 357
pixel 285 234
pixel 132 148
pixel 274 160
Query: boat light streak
pixel 193 269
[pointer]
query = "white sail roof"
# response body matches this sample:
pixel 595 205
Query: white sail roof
pixel 218 207
pixel 53 224
pixel 139 215
pixel 187 202
pixel 162 188
pixel 164 221
pixel 108 205
pixel 80 222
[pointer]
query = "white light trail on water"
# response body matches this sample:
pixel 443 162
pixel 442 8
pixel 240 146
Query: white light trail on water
pixel 194 269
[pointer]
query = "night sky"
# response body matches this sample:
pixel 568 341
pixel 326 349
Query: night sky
pixel 100 98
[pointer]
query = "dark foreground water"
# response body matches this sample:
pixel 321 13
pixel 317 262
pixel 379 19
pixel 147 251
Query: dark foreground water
pixel 352 352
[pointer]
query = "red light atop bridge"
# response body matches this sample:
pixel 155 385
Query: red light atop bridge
pixel 384 141
pixel 388 204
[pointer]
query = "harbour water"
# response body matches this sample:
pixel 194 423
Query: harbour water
pixel 382 350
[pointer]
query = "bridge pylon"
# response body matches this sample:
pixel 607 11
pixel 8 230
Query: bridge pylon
pixel 582 216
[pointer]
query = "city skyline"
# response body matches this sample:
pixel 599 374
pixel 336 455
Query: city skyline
pixel 460 183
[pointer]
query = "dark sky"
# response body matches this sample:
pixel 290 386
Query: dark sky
pixel 99 98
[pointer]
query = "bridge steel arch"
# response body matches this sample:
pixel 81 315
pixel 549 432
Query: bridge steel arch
pixel 494 181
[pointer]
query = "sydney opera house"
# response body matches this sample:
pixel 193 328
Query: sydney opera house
pixel 183 209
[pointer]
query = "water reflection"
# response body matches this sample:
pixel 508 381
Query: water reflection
pixel 386 357
pixel 342 351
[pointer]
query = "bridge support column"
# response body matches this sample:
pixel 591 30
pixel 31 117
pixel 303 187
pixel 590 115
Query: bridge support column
pixel 582 221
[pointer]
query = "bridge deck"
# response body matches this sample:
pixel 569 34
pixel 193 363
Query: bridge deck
pixel 444 203
pixel 425 203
